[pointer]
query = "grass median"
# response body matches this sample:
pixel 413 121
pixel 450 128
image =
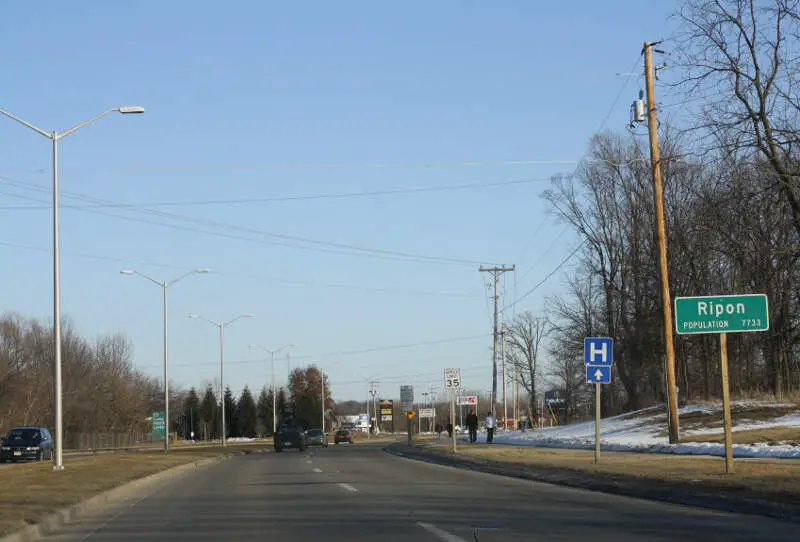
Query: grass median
pixel 32 491
pixel 771 479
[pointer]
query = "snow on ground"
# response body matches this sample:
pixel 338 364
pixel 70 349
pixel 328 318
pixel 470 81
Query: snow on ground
pixel 638 432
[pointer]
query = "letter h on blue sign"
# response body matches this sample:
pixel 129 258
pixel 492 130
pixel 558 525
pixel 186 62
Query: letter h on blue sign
pixel 598 351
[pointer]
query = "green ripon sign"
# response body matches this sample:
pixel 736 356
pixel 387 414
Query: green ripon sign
pixel 721 314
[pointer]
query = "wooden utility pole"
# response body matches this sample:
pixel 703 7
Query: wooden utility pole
pixel 726 401
pixel 505 381
pixel 658 189
pixel 496 273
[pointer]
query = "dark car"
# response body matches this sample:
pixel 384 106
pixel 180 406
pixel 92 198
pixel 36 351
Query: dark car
pixel 290 436
pixel 27 443
pixel 343 435
pixel 317 437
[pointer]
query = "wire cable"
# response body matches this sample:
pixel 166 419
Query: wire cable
pixel 237 168
pixel 299 197
pixel 288 240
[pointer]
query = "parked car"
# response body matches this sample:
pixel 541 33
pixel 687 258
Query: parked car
pixel 317 437
pixel 27 443
pixel 290 436
pixel 343 435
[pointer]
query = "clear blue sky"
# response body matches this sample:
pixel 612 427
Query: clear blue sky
pixel 247 102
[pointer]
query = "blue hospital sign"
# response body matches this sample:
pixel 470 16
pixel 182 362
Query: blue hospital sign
pixel 598 351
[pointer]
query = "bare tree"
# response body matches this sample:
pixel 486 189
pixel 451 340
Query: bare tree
pixel 103 393
pixel 524 338
pixel 743 57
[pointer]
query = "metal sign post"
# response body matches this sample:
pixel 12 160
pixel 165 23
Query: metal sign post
pixel 598 356
pixel 407 398
pixel 452 382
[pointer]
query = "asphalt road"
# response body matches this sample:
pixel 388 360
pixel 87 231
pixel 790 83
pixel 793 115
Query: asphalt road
pixel 358 492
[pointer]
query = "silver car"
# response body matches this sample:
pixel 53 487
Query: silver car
pixel 317 437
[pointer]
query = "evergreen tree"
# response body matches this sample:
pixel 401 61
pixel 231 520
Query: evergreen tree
pixel 246 414
pixel 191 414
pixel 209 413
pixel 230 414
pixel 284 412
pixel 265 410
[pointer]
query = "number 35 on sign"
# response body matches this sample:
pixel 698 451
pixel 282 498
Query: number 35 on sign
pixel 452 378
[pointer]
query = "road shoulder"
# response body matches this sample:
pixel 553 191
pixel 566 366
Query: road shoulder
pixel 44 519
pixel 738 499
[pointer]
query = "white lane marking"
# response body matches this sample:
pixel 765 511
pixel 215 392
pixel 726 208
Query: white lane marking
pixel 441 534
pixel 317 470
pixel 309 461
pixel 348 487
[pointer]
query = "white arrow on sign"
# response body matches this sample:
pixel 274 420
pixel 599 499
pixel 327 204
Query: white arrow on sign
pixel 598 374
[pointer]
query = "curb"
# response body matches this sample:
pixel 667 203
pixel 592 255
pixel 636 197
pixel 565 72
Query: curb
pixel 738 500
pixel 69 514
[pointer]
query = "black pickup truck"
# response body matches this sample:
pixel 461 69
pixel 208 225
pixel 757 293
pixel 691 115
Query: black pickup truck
pixel 290 436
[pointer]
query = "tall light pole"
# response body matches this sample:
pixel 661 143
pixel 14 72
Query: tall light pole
pixel 426 402
pixel 274 394
pixel 55 137
pixel 322 382
pixel 221 327
pixel 164 286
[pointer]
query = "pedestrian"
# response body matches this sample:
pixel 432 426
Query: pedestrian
pixel 438 430
pixel 449 429
pixel 490 425
pixel 472 425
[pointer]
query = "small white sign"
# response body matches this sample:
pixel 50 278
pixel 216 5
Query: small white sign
pixel 452 378
pixel 426 413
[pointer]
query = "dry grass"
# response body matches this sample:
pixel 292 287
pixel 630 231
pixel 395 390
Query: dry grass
pixel 33 490
pixel 767 477
pixel 740 414
pixel 770 435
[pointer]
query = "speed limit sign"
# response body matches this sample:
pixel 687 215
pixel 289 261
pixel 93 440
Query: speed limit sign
pixel 452 378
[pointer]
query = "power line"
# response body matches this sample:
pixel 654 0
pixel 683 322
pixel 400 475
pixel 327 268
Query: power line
pixel 550 274
pixel 300 197
pixel 340 353
pixel 241 168
pixel 529 242
pixel 563 262
pixel 619 95
pixel 543 255
pixel 343 247
pixel 261 278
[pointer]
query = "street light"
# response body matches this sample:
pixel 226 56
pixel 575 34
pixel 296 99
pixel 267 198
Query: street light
pixel 164 286
pixel 55 137
pixel 221 327
pixel 272 355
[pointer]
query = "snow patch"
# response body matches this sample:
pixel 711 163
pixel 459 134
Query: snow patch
pixel 635 432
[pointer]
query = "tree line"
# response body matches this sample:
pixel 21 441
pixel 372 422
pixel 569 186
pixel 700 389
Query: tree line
pixel 249 417
pixel 103 393
pixel 731 193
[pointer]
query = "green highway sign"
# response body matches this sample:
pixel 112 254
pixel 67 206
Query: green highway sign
pixel 159 425
pixel 721 314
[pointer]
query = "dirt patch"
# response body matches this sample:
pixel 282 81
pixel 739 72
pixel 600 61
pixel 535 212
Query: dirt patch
pixel 32 491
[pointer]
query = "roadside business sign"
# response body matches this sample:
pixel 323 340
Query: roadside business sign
pixel 467 400
pixel 387 409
